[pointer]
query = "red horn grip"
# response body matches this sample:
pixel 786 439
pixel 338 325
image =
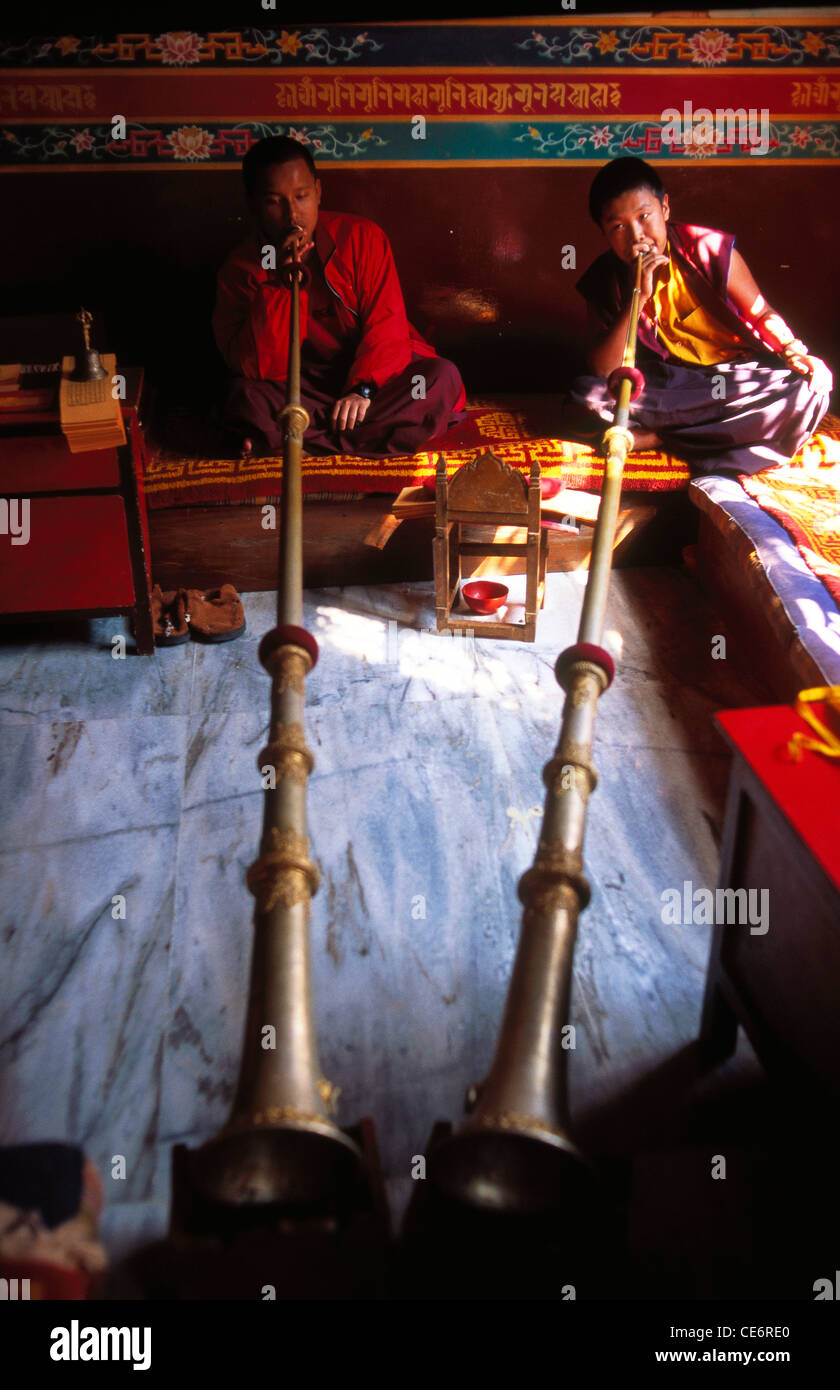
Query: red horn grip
pixel 288 634
pixel 583 651
pixel 620 374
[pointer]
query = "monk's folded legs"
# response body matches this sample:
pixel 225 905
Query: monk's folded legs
pixel 409 410
pixel 413 407
pixel 251 410
pixel 734 416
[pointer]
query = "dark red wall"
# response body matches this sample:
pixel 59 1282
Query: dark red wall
pixel 478 252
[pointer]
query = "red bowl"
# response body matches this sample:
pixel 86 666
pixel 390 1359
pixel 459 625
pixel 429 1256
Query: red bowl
pixel 549 487
pixel 484 595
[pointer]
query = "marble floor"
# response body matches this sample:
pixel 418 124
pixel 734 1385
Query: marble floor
pixel 136 778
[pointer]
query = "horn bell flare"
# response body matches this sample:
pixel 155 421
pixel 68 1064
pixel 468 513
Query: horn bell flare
pixel 289 1166
pixel 514 1171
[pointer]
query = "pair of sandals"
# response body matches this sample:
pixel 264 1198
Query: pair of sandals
pixel 208 615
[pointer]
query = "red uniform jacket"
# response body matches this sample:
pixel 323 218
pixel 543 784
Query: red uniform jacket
pixel 704 257
pixel 251 317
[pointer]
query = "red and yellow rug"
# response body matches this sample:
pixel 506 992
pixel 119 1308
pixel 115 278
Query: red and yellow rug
pixel 804 496
pixel 518 430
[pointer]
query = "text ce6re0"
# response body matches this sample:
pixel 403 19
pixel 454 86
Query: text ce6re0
pixel 700 1333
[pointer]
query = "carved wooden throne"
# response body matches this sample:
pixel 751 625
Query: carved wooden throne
pixel 487 492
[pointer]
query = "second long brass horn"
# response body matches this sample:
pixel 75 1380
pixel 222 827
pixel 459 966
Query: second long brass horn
pixel 281 1144
pixel 515 1153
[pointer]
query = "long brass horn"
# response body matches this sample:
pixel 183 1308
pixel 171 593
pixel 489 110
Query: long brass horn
pixel 281 1144
pixel 515 1153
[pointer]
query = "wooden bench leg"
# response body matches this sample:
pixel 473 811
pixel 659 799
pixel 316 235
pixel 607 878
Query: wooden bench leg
pixel 131 475
pixel 144 631
pixel 718 1023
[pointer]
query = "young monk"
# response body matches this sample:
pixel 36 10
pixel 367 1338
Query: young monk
pixel 728 386
pixel 371 385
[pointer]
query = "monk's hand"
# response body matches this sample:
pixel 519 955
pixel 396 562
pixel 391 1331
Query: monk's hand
pixel 349 411
pixel 652 259
pixel 819 375
pixel 291 247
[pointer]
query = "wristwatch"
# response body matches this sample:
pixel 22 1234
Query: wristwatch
pixel 794 348
pixel 366 389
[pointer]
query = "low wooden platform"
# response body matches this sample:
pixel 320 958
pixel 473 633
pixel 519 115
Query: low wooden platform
pixel 356 542
pixel 739 587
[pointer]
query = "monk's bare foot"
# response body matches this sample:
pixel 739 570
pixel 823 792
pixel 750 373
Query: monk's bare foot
pixel 645 439
pixel 247 449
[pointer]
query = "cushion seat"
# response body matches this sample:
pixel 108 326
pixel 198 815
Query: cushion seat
pixel 182 467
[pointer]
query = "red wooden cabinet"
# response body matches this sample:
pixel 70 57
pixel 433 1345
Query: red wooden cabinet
pixel 87 552
pixel 778 980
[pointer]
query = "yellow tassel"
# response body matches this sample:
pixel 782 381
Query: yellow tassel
pixel 828 742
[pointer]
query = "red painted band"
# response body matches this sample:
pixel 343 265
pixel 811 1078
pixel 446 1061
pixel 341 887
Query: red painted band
pixel 584 651
pixel 620 374
pixel 288 635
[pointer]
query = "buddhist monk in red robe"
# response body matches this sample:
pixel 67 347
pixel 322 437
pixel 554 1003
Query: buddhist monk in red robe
pixel 728 385
pixel 371 385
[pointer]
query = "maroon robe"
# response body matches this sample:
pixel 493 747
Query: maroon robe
pixel 353 329
pixel 739 416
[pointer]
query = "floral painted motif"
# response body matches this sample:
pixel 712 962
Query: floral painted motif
pixel 320 46
pixel 609 43
pixel 290 43
pixel 700 148
pixel 710 47
pixel 225 144
pixel 567 46
pixel 680 46
pixel 191 142
pixel 48 145
pixel 576 140
pixel 180 144
pixel 812 43
pixel 326 142
pixel 180 48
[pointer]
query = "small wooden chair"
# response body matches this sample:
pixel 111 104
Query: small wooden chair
pixel 487 492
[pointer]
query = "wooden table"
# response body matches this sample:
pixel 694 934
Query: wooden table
pixel 88 551
pixel 782 834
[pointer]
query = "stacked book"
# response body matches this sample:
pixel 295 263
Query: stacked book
pixel 91 414
pixel 25 390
